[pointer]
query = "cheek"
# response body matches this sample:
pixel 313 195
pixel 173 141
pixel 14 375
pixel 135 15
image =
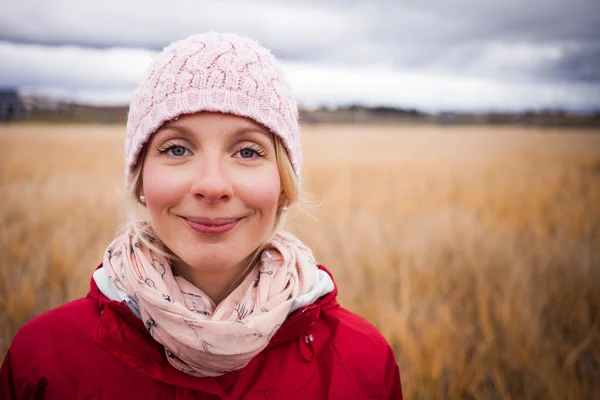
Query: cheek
pixel 160 187
pixel 262 191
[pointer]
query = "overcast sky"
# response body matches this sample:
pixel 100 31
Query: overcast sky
pixel 429 54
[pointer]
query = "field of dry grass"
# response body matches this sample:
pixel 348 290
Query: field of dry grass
pixel 475 250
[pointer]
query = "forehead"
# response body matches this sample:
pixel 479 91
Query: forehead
pixel 213 124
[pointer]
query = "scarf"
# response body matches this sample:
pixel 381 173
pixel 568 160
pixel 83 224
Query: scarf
pixel 202 339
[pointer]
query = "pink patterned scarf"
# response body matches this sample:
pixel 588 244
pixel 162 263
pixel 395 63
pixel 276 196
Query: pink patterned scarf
pixel 199 338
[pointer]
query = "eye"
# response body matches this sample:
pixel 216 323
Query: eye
pixel 177 151
pixel 247 153
pixel 173 149
pixel 250 152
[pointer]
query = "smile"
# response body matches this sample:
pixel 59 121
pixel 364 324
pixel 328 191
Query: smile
pixel 211 226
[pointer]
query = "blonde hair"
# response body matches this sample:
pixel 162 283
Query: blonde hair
pixel 138 222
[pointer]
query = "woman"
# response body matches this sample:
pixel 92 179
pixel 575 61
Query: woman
pixel 203 296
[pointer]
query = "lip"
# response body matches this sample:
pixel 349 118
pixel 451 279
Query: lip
pixel 211 226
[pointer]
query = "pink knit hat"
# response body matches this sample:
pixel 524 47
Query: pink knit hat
pixel 213 72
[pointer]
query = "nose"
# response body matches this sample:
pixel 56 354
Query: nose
pixel 211 183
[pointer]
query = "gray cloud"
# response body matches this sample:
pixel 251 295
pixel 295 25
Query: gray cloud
pixel 153 25
pixel 418 34
pixel 456 36
pixel 581 63
pixel 515 42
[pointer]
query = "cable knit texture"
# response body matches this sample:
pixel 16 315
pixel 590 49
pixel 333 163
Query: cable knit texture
pixel 213 72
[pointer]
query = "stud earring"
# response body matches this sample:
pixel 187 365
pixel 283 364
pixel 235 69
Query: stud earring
pixel 143 198
pixel 284 208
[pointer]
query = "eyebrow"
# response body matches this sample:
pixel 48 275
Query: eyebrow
pixel 178 128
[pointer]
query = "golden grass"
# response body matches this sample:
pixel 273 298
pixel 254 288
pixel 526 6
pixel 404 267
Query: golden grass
pixel 475 250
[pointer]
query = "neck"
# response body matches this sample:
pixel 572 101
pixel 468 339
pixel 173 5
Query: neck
pixel 216 283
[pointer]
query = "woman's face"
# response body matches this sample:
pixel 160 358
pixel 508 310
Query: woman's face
pixel 212 188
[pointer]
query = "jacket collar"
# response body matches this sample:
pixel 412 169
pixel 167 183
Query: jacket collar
pixel 124 336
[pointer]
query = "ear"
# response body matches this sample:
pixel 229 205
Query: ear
pixel 141 198
pixel 283 200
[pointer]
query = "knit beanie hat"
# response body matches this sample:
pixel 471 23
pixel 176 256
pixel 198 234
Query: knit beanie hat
pixel 213 72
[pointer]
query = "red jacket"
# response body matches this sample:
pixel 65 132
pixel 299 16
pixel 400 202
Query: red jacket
pixel 96 348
